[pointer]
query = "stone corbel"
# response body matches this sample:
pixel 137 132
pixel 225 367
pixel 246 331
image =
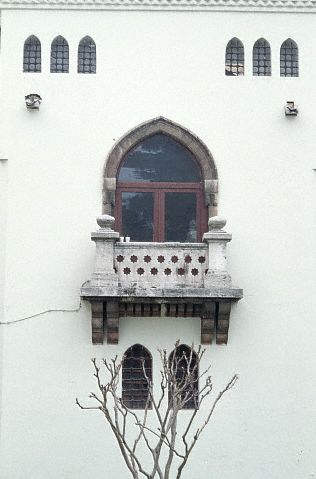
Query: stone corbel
pixel 112 322
pixel 222 322
pixel 97 322
pixel 215 322
pixel 208 320
pixel 105 321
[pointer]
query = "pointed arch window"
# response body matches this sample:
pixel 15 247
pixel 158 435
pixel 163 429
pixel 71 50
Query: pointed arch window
pixel 261 58
pixel 159 195
pixel 234 58
pixel 87 62
pixel 32 59
pixel 59 55
pixel 136 376
pixel 289 59
pixel 183 364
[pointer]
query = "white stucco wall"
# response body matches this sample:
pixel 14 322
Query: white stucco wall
pixel 151 64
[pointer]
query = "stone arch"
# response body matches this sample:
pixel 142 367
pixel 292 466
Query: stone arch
pixel 178 133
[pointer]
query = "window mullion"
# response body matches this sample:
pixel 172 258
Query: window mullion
pixel 156 219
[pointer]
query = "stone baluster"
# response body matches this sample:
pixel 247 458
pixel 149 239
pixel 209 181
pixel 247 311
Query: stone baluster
pixel 217 239
pixel 105 238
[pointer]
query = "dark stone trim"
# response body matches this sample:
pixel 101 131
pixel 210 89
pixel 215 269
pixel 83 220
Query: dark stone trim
pixel 97 322
pixel 208 320
pixel 222 325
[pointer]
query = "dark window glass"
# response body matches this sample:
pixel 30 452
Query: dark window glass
pixel 59 56
pixel 261 57
pixel 289 59
pixel 135 390
pixel 137 215
pixel 159 158
pixel 87 62
pixel 234 58
pixel 182 360
pixel 180 217
pixel 32 60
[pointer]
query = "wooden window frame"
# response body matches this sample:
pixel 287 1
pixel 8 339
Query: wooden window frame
pixel 159 189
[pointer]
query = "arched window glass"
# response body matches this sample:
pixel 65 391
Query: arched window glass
pixel 289 59
pixel 159 158
pixel 234 58
pixel 32 61
pixel 59 55
pixel 87 62
pixel 184 392
pixel 136 376
pixel 261 58
pixel 160 192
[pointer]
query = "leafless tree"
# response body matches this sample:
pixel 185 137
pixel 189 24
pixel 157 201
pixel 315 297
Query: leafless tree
pixel 156 428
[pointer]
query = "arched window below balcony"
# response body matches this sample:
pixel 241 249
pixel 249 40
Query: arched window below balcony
pixel 183 366
pixel 136 376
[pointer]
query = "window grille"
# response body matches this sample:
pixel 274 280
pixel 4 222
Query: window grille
pixel 59 56
pixel 183 361
pixel 32 61
pixel 87 62
pixel 234 58
pixel 261 58
pixel 135 387
pixel 289 59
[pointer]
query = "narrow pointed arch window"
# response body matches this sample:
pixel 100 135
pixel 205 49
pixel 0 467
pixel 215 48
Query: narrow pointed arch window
pixel 159 195
pixel 184 390
pixel 234 58
pixel 136 377
pixel 289 59
pixel 32 59
pixel 87 62
pixel 261 58
pixel 59 55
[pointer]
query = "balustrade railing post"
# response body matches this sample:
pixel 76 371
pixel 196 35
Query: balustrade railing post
pixel 105 238
pixel 217 239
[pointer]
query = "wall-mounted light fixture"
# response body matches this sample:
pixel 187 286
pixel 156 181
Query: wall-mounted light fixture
pixel 33 101
pixel 290 109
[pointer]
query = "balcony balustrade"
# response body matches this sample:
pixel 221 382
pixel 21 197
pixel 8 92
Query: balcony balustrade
pixel 160 279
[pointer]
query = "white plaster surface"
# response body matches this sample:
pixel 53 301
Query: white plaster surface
pixel 152 64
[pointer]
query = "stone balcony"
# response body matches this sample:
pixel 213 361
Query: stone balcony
pixel 160 279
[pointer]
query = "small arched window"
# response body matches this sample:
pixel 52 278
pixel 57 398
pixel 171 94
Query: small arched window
pixel 234 58
pixel 289 59
pixel 32 59
pixel 136 377
pixel 87 60
pixel 159 195
pixel 261 58
pixel 184 391
pixel 59 55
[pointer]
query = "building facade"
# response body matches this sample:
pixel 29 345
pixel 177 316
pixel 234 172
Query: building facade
pixel 221 95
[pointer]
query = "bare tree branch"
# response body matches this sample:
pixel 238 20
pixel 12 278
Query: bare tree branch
pixel 182 385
